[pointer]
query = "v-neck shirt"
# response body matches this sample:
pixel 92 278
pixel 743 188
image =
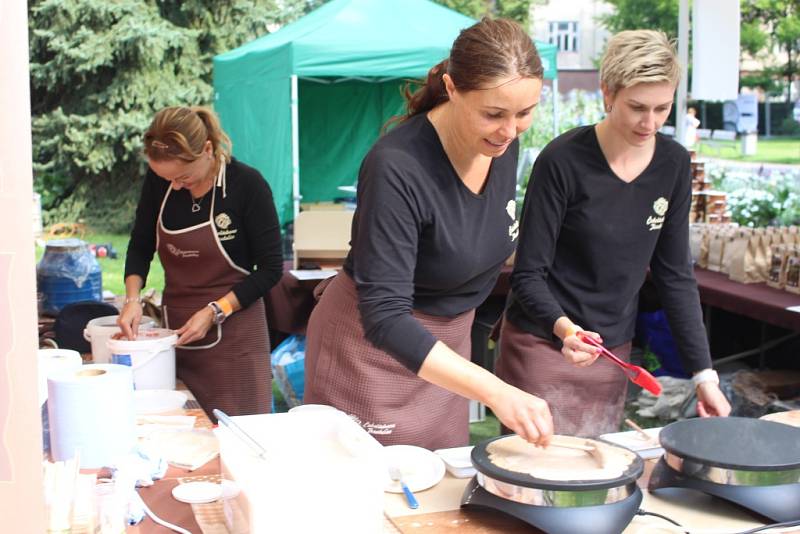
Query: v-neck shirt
pixel 588 237
pixel 422 240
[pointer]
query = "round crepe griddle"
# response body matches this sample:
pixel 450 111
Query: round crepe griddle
pixel 482 463
pixel 734 443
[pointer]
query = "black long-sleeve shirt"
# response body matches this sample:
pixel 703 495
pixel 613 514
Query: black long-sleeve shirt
pixel 587 239
pixel 252 239
pixel 422 240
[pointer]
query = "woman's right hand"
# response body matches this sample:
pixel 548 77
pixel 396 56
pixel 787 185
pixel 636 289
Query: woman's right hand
pixel 526 415
pixel 129 319
pixel 575 350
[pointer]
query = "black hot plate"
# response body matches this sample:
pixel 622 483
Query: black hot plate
pixel 602 506
pixel 750 462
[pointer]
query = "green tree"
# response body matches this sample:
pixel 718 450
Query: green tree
pixel 511 9
pixel 771 24
pixel 100 69
pixel 643 14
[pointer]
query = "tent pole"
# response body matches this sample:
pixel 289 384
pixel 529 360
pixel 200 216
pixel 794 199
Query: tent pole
pixel 555 107
pixel 683 58
pixel 295 148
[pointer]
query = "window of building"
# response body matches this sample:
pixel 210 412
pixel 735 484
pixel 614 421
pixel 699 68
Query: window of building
pixel 564 35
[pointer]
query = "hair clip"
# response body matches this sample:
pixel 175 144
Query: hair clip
pixel 159 145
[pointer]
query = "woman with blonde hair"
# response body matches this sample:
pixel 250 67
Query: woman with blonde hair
pixel 605 203
pixel 389 341
pixel 213 222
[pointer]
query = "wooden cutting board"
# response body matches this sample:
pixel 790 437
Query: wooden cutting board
pixel 463 522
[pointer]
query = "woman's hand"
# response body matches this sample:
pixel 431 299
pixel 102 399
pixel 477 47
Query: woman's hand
pixel 525 414
pixel 578 352
pixel 196 327
pixel 575 350
pixel 711 401
pixel 129 319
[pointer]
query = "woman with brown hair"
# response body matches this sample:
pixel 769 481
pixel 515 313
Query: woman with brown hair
pixel 389 341
pixel 212 220
pixel 605 203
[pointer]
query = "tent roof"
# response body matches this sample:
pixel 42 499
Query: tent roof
pixel 351 38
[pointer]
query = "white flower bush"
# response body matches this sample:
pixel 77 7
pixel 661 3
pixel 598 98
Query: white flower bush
pixel 759 197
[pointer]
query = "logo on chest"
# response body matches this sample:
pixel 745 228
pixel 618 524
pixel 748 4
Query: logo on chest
pixel 660 206
pixel 225 232
pixel 513 229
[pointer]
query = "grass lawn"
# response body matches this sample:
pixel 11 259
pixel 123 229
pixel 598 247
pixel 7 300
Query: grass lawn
pixel 114 269
pixel 775 150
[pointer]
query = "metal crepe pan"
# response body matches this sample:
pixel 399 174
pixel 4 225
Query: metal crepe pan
pixel 733 450
pixel 524 488
pixel 750 462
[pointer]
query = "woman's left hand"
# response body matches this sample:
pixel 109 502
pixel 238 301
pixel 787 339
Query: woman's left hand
pixel 711 401
pixel 196 327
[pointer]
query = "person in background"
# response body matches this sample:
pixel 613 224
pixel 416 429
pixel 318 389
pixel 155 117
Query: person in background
pixel 605 203
pixel 692 122
pixel 389 341
pixel 213 222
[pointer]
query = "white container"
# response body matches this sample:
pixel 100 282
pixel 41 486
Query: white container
pixel 321 459
pixel 98 331
pixel 458 461
pixel 151 355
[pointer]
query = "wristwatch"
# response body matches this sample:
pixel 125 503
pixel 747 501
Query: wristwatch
pixel 219 315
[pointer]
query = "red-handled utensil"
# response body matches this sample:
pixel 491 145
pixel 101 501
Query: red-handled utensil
pixel 636 374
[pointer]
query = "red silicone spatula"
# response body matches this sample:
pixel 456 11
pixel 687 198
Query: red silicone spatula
pixel 635 373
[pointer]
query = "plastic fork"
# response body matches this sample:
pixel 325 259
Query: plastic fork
pixel 636 374
pixel 394 474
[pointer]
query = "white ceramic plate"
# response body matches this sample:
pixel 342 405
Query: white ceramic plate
pixel 150 401
pixel 197 492
pixel 419 467
pixel 634 441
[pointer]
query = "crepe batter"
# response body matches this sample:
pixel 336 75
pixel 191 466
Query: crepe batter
pixel 558 462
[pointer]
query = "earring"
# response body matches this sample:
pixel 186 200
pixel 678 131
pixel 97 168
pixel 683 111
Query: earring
pixel 608 108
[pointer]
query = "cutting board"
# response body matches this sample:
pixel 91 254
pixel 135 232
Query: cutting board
pixel 461 521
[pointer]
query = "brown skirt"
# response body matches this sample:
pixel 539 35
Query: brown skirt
pixel 393 404
pixel 584 401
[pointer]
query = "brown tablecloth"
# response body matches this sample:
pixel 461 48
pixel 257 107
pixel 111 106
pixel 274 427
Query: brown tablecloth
pixel 757 301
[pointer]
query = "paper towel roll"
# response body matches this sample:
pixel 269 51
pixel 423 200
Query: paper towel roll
pixel 91 410
pixel 53 361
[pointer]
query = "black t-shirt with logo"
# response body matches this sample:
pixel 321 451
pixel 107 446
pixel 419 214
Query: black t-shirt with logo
pixel 587 239
pixel 245 221
pixel 422 240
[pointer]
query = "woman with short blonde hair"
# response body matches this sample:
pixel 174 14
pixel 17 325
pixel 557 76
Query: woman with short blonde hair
pixel 605 203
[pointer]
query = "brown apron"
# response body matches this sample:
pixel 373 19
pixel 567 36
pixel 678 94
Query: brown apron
pixel 584 401
pixel 393 404
pixel 229 368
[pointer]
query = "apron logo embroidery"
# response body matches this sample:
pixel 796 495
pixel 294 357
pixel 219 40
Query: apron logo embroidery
pixel 660 207
pixel 380 429
pixel 175 251
pixel 513 229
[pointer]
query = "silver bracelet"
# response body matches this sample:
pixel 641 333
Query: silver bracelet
pixel 138 299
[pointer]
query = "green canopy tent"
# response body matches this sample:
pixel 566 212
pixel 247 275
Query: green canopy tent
pixel 310 99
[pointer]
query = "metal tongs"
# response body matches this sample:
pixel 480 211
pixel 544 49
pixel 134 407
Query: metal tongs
pixel 240 433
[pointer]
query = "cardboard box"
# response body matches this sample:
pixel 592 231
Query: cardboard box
pixel 322 237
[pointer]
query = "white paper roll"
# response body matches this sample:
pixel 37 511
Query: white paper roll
pixel 53 361
pixel 91 410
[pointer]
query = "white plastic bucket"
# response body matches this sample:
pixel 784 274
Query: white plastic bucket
pixel 151 355
pixel 98 331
